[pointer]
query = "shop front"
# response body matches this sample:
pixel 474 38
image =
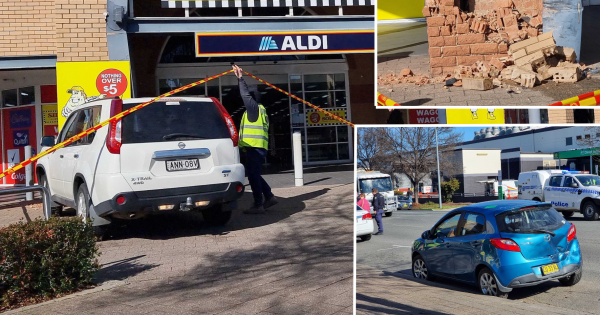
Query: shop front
pixel 586 160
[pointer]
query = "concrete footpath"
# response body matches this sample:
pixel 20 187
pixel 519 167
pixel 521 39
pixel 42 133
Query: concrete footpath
pixel 382 292
pixel 296 259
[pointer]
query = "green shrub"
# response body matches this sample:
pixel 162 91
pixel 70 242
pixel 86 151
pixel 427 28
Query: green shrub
pixel 429 205
pixel 42 259
pixel 448 189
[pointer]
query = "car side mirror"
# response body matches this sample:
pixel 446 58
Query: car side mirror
pixel 48 141
pixel 426 235
pixel 574 185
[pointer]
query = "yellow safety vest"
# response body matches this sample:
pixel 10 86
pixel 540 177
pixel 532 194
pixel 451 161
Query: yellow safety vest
pixel 255 134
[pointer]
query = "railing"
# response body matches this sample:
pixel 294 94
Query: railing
pixel 45 196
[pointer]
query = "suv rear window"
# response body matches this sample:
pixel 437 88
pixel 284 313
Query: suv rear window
pixel 193 120
pixel 527 221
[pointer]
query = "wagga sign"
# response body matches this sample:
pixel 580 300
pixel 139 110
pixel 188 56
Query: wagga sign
pixel 316 118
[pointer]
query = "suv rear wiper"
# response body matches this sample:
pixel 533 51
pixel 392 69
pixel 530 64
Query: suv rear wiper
pixel 545 232
pixel 180 135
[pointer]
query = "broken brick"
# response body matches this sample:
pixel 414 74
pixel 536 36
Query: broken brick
pixel 479 84
pixel 536 21
pixel 568 54
pixel 504 4
pixel 426 12
pixel 510 20
pixel 406 72
pixel 528 80
pixel 497 63
pixel 479 26
pixel 532 32
pixel 519 54
pixel 566 74
pixel 451 19
pixel 517 46
pixel 502 48
pixel 548 43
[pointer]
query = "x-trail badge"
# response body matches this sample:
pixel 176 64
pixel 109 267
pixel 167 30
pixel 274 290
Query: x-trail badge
pixel 181 145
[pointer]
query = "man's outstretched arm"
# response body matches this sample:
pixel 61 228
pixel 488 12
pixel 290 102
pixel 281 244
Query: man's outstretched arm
pixel 249 102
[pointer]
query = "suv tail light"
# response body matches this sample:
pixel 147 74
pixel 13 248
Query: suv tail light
pixel 228 121
pixel 113 138
pixel 572 233
pixel 505 244
pixel 367 216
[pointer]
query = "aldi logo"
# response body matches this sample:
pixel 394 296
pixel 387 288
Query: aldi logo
pixel 268 44
pixel 282 43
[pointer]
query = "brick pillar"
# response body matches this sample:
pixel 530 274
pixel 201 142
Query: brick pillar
pixel 80 30
pixel 560 116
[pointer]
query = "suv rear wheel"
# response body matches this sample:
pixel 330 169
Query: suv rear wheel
pixel 83 210
pixel 216 215
pixel 590 211
pixel 56 210
pixel 488 285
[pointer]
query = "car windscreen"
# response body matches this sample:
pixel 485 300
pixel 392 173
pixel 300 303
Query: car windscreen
pixel 530 220
pixel 382 184
pixel 589 180
pixel 160 122
pixel 402 197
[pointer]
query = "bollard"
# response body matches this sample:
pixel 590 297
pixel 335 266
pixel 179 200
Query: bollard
pixel 298 172
pixel 28 173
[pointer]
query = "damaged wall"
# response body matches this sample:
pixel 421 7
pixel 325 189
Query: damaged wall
pixel 461 38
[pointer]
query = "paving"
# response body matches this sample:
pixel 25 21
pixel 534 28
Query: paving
pixel 385 284
pixel 296 259
pixel 404 45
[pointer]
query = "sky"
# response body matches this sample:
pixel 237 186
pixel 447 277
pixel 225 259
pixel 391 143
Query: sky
pixel 469 132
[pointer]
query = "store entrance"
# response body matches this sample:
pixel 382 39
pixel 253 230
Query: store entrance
pixel 323 84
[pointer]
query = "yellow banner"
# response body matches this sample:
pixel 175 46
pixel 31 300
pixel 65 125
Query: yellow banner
pixel 82 82
pixel 474 116
pixel 316 118
pixel 399 9
pixel 49 114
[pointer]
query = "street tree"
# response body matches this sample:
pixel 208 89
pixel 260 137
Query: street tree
pixel 369 149
pixel 411 151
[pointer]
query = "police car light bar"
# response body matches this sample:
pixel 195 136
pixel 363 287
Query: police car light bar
pixel 576 172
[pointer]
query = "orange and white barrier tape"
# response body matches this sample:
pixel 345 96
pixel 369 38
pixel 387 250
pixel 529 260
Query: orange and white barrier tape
pixel 385 101
pixel 138 107
pixel 587 99
pixel 301 100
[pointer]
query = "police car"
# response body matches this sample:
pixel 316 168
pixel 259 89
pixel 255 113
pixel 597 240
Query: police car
pixel 567 191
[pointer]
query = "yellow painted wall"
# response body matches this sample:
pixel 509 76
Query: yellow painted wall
pixel 399 9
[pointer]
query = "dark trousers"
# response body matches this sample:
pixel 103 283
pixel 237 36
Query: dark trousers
pixel 378 217
pixel 254 160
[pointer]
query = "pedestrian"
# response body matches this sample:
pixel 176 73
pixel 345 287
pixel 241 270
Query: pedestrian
pixel 364 203
pixel 254 143
pixel 378 205
pixel 410 195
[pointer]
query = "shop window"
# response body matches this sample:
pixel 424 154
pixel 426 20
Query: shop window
pixel 27 96
pixel 569 141
pixel 9 98
pixel 587 136
pixel 578 138
pixel 583 116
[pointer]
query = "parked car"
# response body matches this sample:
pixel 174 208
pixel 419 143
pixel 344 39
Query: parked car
pixel 403 203
pixel 364 224
pixel 500 245
pixel 177 154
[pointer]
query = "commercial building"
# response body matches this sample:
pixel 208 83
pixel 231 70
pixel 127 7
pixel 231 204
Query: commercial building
pixel 58 53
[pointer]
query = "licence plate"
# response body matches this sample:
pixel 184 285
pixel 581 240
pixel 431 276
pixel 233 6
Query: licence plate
pixel 404 206
pixel 183 165
pixel 548 269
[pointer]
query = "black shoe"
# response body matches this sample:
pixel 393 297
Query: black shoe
pixel 271 202
pixel 378 233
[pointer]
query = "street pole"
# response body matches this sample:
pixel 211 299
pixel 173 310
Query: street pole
pixel 437 153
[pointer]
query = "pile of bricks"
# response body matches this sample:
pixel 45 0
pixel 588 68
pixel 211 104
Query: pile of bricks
pixel 458 38
pixel 483 49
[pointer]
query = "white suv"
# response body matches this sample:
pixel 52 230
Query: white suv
pixel 175 154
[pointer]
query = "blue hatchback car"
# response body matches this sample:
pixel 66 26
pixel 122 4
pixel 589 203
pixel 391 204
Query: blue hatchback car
pixel 500 245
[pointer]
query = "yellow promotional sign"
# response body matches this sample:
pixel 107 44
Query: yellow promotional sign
pixel 474 116
pixel 82 82
pixel 399 9
pixel 49 114
pixel 317 118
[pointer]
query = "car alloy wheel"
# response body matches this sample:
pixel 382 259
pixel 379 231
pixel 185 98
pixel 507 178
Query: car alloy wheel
pixel 420 269
pixel 488 284
pixel 81 206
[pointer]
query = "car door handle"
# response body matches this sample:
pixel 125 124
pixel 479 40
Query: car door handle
pixel 475 243
pixel 76 156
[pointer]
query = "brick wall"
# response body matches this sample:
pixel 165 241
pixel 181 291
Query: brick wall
pixel 27 28
pixel 560 116
pixel 458 38
pixel 80 30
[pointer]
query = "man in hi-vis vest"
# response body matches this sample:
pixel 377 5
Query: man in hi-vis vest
pixel 254 143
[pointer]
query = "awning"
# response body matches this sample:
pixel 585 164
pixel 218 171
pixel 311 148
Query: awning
pixel 263 3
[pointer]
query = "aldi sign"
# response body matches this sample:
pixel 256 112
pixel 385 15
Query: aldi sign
pixel 281 43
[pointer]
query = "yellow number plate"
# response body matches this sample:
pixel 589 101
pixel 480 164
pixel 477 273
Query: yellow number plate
pixel 548 269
